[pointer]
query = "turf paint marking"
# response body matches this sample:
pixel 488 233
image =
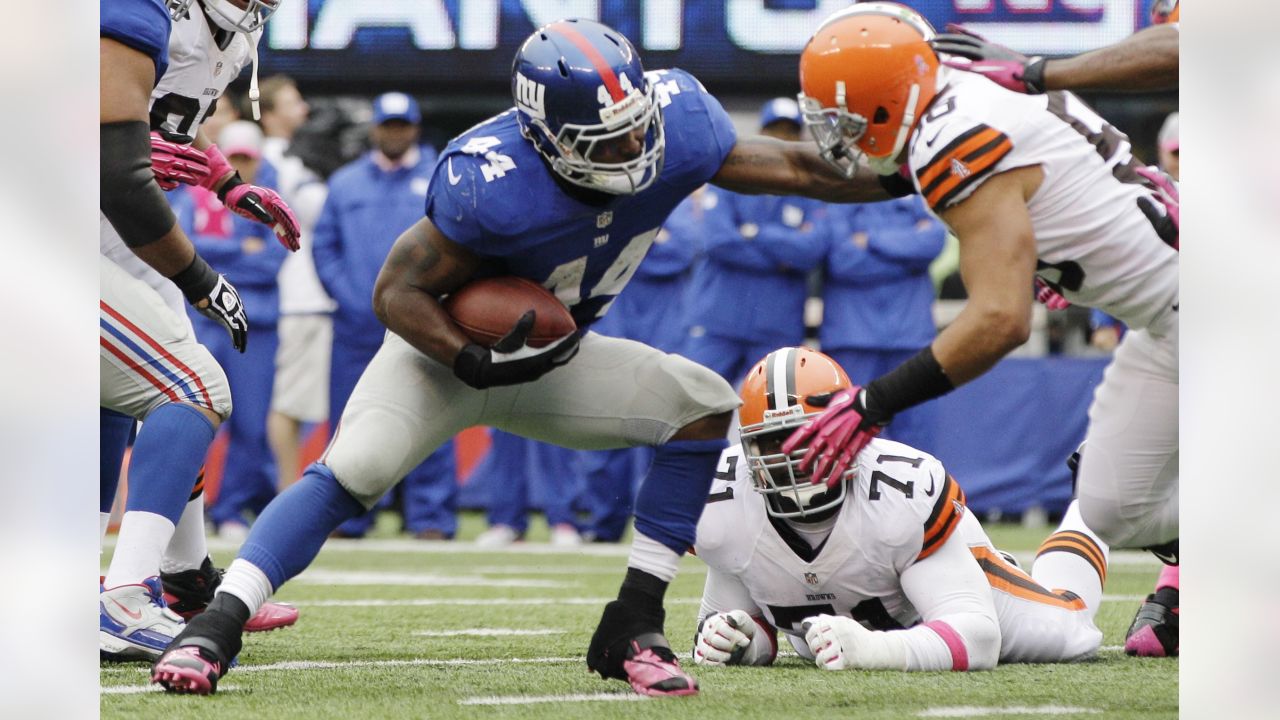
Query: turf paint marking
pixel 485 632
pixel 347 577
pixel 506 602
pixel 964 711
pixel 535 699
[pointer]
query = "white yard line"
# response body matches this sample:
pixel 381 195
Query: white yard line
pixel 602 550
pixel 965 711
pixel 535 602
pixel 486 632
pixel 534 699
pixel 500 602
pixel 351 577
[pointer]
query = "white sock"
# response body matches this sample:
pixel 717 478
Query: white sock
pixel 653 557
pixel 104 519
pixel 143 537
pixel 1067 560
pixel 188 548
pixel 245 581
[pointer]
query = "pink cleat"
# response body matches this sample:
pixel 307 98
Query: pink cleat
pixel 189 592
pixel 272 616
pixel 185 670
pixel 652 669
pixel 1154 632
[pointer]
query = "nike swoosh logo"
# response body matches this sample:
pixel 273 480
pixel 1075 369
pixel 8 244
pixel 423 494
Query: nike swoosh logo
pixel 135 614
pixel 933 485
pixel 930 141
pixel 453 179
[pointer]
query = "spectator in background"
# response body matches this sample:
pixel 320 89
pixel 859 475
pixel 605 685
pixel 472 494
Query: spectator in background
pixel 878 297
pixel 652 309
pixel 306 326
pixel 245 250
pixel 371 201
pixel 516 468
pixel 759 251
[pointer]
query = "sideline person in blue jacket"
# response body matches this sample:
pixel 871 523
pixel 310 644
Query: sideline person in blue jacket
pixel 371 201
pixel 244 250
pixel 753 282
pixel 878 297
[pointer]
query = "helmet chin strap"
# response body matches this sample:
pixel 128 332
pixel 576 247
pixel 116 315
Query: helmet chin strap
pixel 253 76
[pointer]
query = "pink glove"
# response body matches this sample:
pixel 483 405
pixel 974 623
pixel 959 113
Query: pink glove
pixel 1007 68
pixel 267 207
pixel 175 163
pixel 1049 297
pixel 835 437
pixel 1170 226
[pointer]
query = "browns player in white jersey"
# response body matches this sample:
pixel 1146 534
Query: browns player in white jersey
pixel 883 570
pixel 1033 186
pixel 152 368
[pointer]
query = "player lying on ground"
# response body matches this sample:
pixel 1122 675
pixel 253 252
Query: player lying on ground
pixel 883 570
pixel 568 190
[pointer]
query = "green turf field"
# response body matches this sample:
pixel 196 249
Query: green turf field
pixel 398 628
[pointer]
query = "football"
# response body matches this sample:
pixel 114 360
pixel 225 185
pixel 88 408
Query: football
pixel 488 308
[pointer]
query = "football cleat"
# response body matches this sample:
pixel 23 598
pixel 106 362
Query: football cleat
pixel 1154 632
pixel 652 669
pixel 629 645
pixel 134 623
pixel 188 593
pixel 189 669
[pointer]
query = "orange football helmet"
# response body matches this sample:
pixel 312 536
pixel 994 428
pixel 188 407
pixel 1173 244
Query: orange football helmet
pixel 781 393
pixel 866 76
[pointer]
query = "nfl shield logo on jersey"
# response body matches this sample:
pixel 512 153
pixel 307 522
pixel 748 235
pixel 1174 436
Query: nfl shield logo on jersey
pixel 811 578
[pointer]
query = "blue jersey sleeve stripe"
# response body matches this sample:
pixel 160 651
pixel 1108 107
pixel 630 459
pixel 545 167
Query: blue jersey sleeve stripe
pixel 140 24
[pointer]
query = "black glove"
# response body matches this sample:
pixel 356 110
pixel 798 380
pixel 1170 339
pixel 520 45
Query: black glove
pixel 511 361
pixel 1007 68
pixel 214 297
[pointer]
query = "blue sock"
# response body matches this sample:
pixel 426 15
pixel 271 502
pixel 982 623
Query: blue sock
pixel 675 491
pixel 289 532
pixel 113 437
pixel 167 457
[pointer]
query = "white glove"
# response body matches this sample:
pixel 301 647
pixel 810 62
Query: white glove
pixel 723 638
pixel 840 643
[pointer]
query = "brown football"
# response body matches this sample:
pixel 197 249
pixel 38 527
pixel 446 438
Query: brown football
pixel 487 309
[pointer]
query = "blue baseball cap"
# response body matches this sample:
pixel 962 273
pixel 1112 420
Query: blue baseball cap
pixel 396 106
pixel 782 108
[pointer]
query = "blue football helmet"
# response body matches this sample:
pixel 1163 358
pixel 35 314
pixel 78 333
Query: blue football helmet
pixel 579 87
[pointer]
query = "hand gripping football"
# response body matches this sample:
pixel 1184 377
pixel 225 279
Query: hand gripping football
pixel 488 308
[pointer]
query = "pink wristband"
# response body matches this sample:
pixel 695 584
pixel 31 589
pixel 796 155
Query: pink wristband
pixel 219 168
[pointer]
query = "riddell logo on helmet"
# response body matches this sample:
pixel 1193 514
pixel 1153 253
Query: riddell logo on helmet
pixel 785 412
pixel 530 97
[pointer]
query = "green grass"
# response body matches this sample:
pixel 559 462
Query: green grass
pixel 382 669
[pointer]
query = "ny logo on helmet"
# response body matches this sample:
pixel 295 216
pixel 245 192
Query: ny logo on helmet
pixel 530 96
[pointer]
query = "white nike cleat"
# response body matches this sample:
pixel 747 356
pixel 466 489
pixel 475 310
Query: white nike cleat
pixel 134 623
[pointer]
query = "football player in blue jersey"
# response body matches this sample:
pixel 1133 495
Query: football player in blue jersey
pixel 568 189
